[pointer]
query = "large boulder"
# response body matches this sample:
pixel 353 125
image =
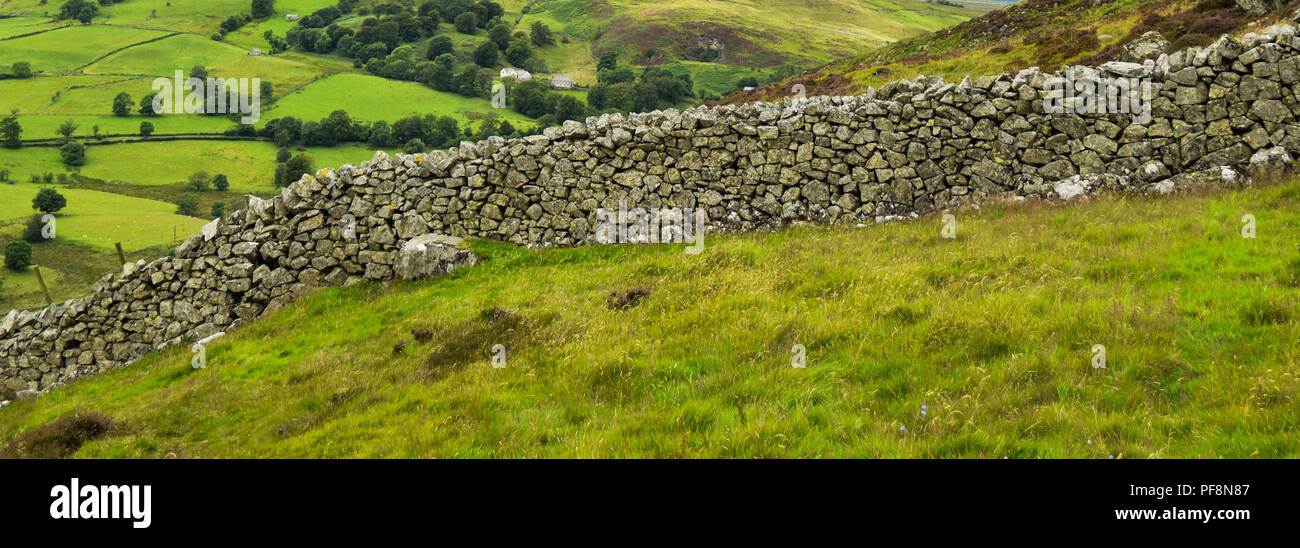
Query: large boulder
pixel 1148 46
pixel 1258 7
pixel 432 255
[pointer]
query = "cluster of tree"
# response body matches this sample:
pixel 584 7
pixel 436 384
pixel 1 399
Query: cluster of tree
pixel 537 99
pixel 82 10
pixel 232 24
pixel 263 8
pixel 47 201
pixel 515 47
pixel 620 88
pixel 290 168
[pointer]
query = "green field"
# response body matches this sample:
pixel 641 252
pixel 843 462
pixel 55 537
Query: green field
pixel 85 234
pixel 16 26
pixel 373 98
pixel 183 51
pixel 68 48
pixel 97 219
pixel 991 331
pixel 248 164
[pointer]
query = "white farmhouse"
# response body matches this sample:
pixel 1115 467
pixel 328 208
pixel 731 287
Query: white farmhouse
pixel 516 73
pixel 562 82
pixel 290 17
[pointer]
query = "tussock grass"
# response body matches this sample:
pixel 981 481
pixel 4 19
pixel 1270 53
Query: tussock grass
pixel 993 331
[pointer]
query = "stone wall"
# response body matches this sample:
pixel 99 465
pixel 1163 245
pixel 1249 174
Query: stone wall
pixel 908 148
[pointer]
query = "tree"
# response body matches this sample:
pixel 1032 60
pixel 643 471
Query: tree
pixel 18 255
pixel 486 54
pixel 296 167
pixel 608 61
pixel 187 204
pixel 199 71
pixel 34 232
pixel 199 181
pixel 146 105
pixel 280 170
pixel 500 35
pixel 218 210
pixel 122 104
pixel 541 34
pixel 263 8
pixel 438 46
pixel 66 129
pixel 74 153
pixel 221 182
pixel 519 52
pixel 81 10
pixel 466 22
pixel 747 82
pixel 413 146
pixel 11 132
pixel 22 69
pixel 146 128
pixel 48 200
pixel 282 155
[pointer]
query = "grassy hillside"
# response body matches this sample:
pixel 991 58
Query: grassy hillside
pixel 991 332
pixel 761 35
pixel 1033 33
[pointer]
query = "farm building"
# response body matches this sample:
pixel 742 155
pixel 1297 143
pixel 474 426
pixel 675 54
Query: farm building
pixel 517 74
pixel 290 17
pixel 254 52
pixel 563 82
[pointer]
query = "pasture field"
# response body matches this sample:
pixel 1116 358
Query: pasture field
pixel 33 95
pixel 15 26
pixel 98 219
pixel 202 18
pixel 249 165
pixel 373 98
pixel 183 51
pixel 251 34
pixel 68 48
pixel 86 230
pixel 991 331
pixel 45 126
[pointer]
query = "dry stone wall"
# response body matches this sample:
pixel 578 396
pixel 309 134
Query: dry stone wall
pixel 907 148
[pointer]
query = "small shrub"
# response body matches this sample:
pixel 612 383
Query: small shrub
pixel 623 300
pixel 18 255
pixel 59 438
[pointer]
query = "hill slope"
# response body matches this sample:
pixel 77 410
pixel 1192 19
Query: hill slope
pixel 991 332
pixel 1043 33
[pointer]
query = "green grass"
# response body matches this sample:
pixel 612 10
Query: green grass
pixel 65 49
pixel 15 26
pixel 86 231
pixel 32 95
pixel 183 51
pixel 45 126
pixel 373 98
pixel 991 331
pixel 248 164
pixel 98 219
